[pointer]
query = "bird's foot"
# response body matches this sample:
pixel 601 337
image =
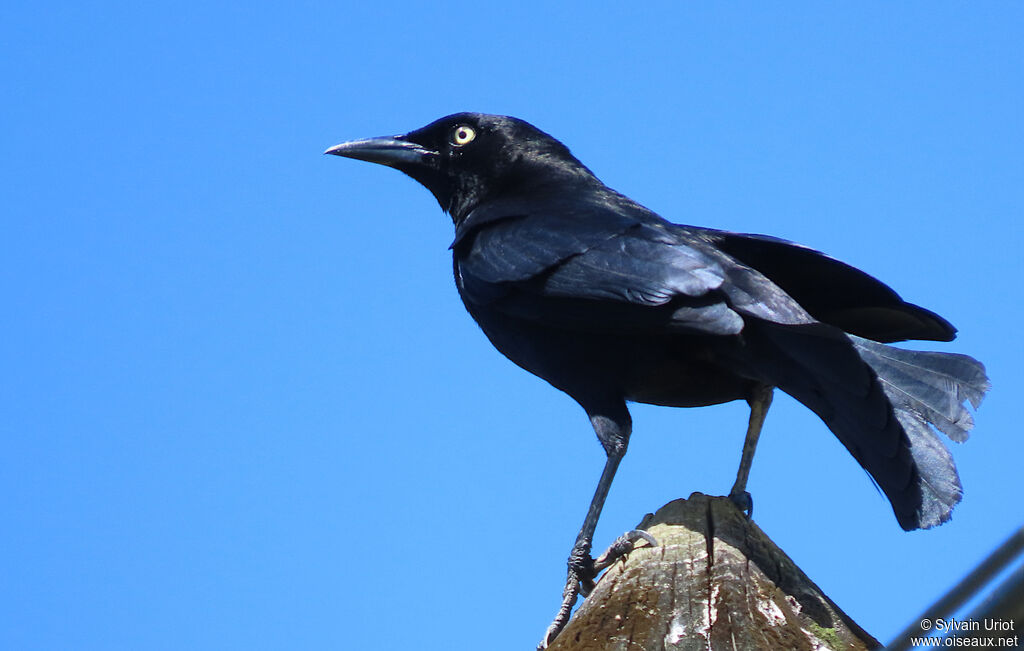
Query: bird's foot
pixel 743 501
pixel 583 571
pixel 619 548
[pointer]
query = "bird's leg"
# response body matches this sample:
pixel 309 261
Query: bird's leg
pixel 614 435
pixel 759 401
pixel 581 565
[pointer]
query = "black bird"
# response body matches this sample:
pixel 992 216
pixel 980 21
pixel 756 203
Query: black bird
pixel 610 303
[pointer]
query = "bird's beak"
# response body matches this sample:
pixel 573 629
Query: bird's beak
pixel 393 151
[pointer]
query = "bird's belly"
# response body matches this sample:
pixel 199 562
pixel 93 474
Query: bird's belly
pixel 672 371
pixel 681 381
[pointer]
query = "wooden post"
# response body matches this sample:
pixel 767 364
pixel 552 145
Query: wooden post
pixel 715 581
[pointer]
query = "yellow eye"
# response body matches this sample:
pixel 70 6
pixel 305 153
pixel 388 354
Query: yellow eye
pixel 463 135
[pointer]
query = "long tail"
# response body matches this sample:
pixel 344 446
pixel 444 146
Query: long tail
pixel 881 402
pixel 926 388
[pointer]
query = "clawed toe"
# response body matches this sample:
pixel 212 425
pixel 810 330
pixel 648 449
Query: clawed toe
pixel 744 502
pixel 622 546
pixel 583 571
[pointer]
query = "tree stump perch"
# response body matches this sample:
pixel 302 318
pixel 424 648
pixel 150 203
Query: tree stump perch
pixel 715 581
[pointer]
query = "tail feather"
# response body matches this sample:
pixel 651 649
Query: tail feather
pixel 938 479
pixel 882 402
pixel 929 389
pixel 931 385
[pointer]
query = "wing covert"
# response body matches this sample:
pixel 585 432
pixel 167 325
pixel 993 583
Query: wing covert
pixel 649 277
pixel 833 291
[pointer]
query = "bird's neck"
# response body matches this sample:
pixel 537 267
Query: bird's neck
pixel 554 182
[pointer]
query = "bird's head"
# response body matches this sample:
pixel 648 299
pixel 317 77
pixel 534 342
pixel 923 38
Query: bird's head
pixel 466 158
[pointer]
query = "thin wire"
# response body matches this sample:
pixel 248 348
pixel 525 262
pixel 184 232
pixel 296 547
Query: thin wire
pixel 996 562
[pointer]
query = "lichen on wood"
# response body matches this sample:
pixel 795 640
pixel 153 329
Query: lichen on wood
pixel 715 581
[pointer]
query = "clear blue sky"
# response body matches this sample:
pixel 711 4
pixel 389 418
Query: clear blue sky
pixel 226 425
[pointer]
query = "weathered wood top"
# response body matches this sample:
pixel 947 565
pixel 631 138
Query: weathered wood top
pixel 715 581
